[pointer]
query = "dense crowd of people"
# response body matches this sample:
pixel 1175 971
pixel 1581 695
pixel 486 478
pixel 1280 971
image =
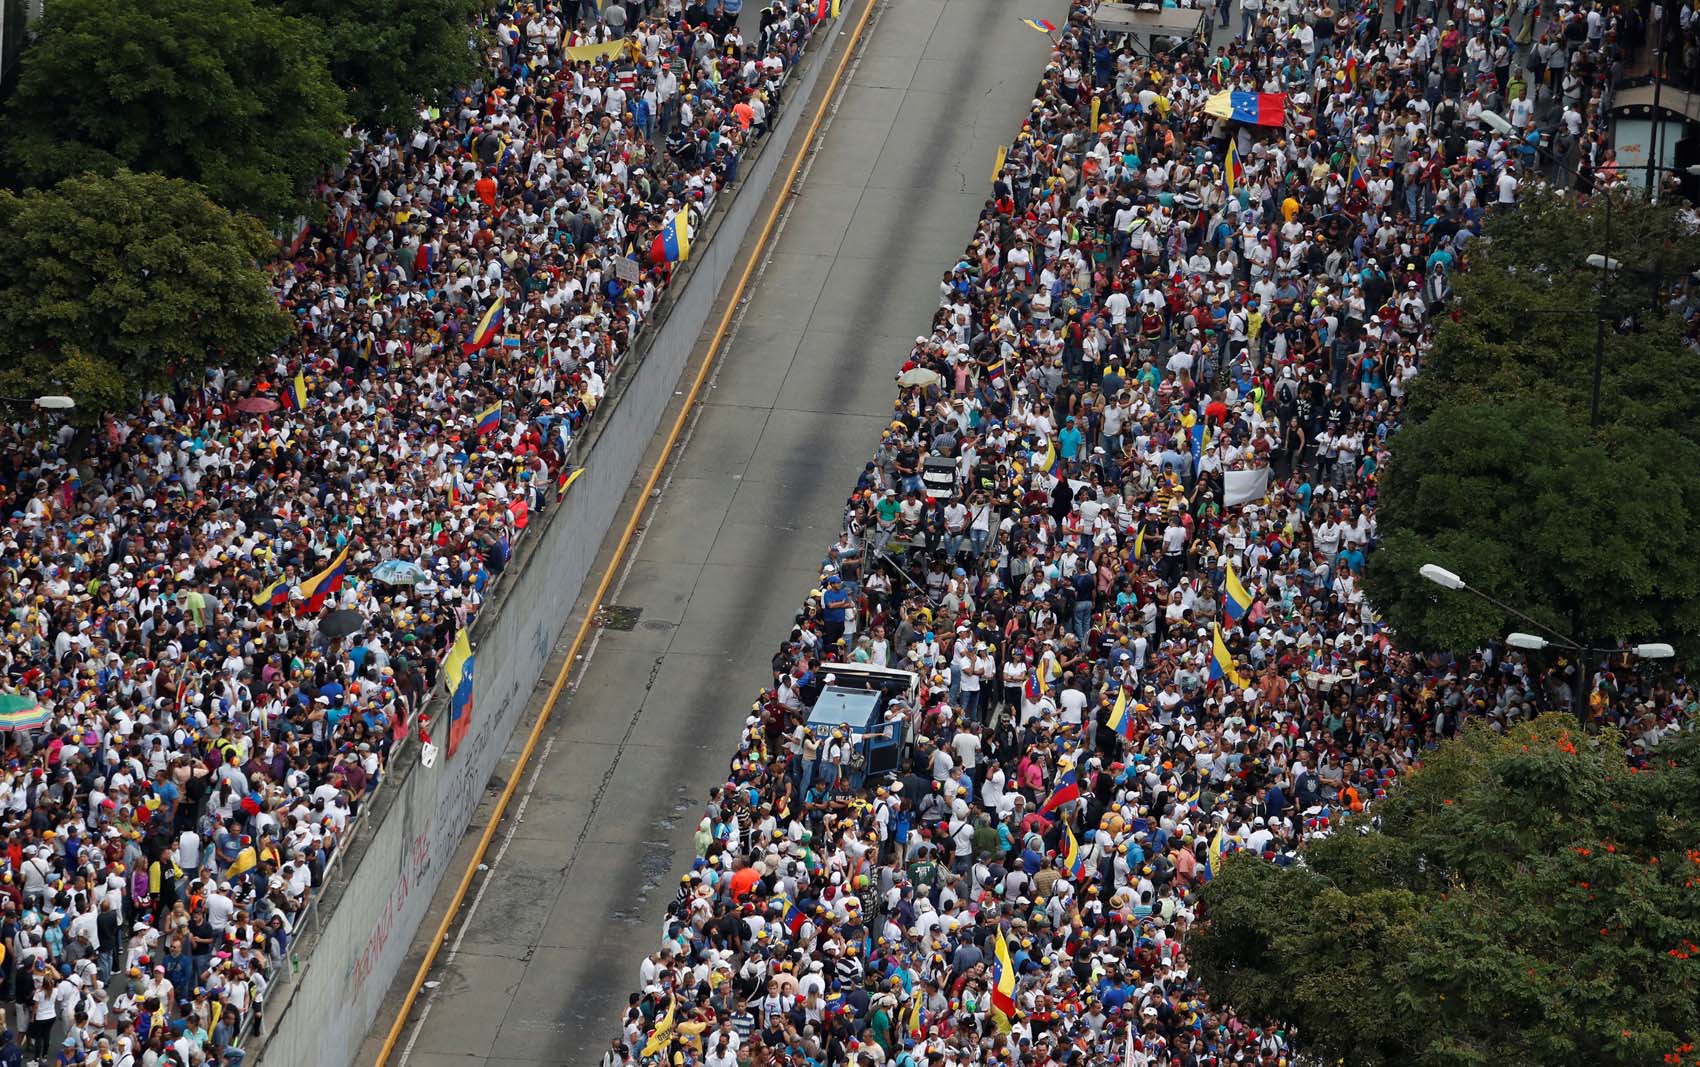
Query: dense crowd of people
pixel 1116 528
pixel 197 717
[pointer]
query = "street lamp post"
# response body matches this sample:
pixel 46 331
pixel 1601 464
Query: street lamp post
pixel 1500 125
pixel 1533 643
pixel 1646 650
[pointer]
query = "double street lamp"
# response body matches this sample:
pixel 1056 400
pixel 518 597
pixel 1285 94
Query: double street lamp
pixel 1534 643
pixel 45 403
pixel 1602 262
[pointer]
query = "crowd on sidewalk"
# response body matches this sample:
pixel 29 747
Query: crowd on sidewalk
pixel 1117 528
pixel 225 608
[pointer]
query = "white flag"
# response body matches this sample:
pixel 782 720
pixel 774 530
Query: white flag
pixel 1238 487
pixel 428 755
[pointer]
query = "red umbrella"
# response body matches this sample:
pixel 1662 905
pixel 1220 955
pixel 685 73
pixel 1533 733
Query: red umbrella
pixel 256 405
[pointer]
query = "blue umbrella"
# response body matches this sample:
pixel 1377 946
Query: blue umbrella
pixel 399 572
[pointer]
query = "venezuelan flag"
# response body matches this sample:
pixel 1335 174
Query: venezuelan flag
pixel 1050 462
pixel 322 586
pixel 1003 984
pixel 295 393
pixel 1073 859
pixel 1253 109
pixel 457 674
pixel 1233 171
pixel 1221 662
pixel 1215 853
pixel 917 1024
pixel 1238 601
pixel 1067 790
pixel 794 916
pixel 273 596
pixel 673 245
pixel 490 419
pixel 1122 718
pixel 1042 25
pixel 489 327
pixel 1139 543
pixel 663 1032
pixel 245 861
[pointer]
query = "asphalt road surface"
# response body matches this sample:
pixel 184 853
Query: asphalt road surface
pixel 541 959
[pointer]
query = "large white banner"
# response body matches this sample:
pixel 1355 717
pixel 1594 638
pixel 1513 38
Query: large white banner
pixel 1239 487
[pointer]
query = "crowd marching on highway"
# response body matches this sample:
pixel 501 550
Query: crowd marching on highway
pixel 226 608
pixel 1116 528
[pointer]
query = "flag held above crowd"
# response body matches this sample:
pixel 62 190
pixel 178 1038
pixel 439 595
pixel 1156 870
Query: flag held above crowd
pixel 318 589
pixel 1236 601
pixel 1253 109
pixel 1003 984
pixel 673 243
pixel 489 327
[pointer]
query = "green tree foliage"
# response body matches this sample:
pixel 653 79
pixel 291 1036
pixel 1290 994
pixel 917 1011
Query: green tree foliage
pixel 221 92
pixel 114 286
pixel 1497 474
pixel 392 55
pixel 1531 898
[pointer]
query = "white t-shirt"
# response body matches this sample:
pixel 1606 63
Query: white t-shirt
pixel 967 746
pixel 1072 703
pixel 219 909
pixel 1507 187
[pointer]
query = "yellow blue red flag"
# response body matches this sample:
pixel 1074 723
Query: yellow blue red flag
pixel 1122 718
pixel 1237 601
pixel 673 244
pixel 1221 661
pixel 1003 984
pixel 322 586
pixel 489 327
pixel 457 673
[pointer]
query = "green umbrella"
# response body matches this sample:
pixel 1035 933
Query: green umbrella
pixel 19 711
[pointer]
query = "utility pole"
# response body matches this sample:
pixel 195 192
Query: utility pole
pixel 1653 127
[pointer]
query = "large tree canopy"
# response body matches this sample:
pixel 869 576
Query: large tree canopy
pixel 222 92
pixel 113 286
pixel 390 55
pixel 1532 898
pixel 1497 474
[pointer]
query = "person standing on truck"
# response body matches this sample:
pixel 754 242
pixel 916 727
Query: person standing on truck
pixel 835 603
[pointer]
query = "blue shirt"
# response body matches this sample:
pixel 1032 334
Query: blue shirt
pixel 1069 442
pixel 833 603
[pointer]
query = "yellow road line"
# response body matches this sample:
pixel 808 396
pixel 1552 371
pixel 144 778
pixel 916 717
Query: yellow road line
pixel 442 931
